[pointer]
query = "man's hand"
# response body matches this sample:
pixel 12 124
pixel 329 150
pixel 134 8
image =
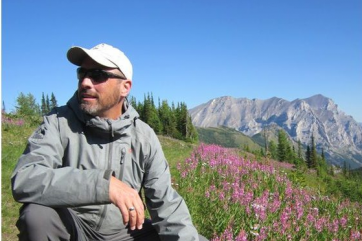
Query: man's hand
pixel 126 198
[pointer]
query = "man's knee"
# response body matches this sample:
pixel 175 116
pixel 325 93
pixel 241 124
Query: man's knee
pixel 33 215
pixel 37 222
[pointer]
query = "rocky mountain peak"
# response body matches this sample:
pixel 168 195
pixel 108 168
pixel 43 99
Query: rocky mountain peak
pixel 338 134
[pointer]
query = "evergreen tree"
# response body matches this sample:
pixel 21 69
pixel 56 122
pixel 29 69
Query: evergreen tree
pixel 182 119
pixel 133 102
pixel 299 160
pixel 300 157
pixel 266 137
pixel 3 109
pixel 313 153
pixel 273 150
pixel 308 157
pixel 322 165
pixel 53 101
pixel 290 153
pixel 146 109
pixel 167 119
pixel 44 109
pixel 192 134
pixel 47 103
pixel 150 114
pixel 282 146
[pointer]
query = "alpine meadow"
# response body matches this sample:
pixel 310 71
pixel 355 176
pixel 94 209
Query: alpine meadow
pixel 234 191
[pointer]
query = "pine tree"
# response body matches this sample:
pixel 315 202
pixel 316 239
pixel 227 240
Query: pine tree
pixel 282 146
pixel 192 135
pixel 182 118
pixel 322 165
pixel 3 109
pixel 167 119
pixel 300 157
pixel 47 103
pixel 133 102
pixel 273 150
pixel 313 153
pixel 308 157
pixel 43 105
pixel 290 153
pixel 150 114
pixel 53 101
pixel 266 137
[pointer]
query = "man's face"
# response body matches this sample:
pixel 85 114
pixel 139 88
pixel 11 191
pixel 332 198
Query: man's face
pixel 104 99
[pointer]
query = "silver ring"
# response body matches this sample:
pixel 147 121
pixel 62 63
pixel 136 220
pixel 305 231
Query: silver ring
pixel 131 209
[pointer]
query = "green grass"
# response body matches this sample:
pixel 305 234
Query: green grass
pixel 226 137
pixel 13 142
pixel 175 151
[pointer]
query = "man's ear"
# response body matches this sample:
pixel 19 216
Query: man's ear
pixel 126 86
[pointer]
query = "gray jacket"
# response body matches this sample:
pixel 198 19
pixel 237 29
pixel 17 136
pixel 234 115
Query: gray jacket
pixel 69 160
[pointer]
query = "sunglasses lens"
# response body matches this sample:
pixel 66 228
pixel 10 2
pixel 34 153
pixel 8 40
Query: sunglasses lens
pixel 81 73
pixel 96 75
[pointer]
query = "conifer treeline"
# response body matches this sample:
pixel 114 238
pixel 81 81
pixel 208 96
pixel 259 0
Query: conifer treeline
pixel 165 120
pixel 284 151
pixel 46 104
pixel 173 121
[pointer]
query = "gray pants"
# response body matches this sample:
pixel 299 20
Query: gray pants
pixel 38 223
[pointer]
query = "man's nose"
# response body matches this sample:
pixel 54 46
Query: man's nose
pixel 86 82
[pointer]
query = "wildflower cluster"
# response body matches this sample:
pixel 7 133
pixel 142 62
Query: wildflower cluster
pixel 231 198
pixel 11 121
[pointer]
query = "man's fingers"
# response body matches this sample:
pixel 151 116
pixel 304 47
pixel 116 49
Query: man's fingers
pixel 125 213
pixel 132 218
pixel 140 217
pixel 129 203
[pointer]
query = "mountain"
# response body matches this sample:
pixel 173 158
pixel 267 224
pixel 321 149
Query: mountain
pixel 338 134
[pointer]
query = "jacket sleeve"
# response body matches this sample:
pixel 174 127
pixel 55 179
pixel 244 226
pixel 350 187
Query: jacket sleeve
pixel 167 208
pixel 39 176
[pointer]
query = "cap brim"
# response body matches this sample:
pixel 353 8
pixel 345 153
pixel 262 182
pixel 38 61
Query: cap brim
pixel 76 55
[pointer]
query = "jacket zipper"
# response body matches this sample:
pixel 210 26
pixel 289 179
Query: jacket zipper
pixel 121 168
pixel 110 152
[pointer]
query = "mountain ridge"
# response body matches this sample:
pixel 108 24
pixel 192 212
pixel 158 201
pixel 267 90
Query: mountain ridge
pixel 337 133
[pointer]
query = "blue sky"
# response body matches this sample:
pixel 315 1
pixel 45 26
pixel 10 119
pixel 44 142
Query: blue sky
pixel 192 50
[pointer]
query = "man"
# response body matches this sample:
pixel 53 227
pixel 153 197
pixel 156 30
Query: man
pixel 83 169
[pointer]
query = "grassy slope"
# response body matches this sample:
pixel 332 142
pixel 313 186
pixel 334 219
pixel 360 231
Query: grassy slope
pixel 13 144
pixel 175 151
pixel 226 137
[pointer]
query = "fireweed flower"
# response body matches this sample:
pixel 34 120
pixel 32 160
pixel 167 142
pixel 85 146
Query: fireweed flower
pixel 240 192
pixel 343 222
pixel 356 235
pixel 242 236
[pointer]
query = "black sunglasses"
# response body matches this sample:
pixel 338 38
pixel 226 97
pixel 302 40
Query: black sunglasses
pixel 97 75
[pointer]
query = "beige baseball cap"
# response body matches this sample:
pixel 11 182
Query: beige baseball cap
pixel 105 55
